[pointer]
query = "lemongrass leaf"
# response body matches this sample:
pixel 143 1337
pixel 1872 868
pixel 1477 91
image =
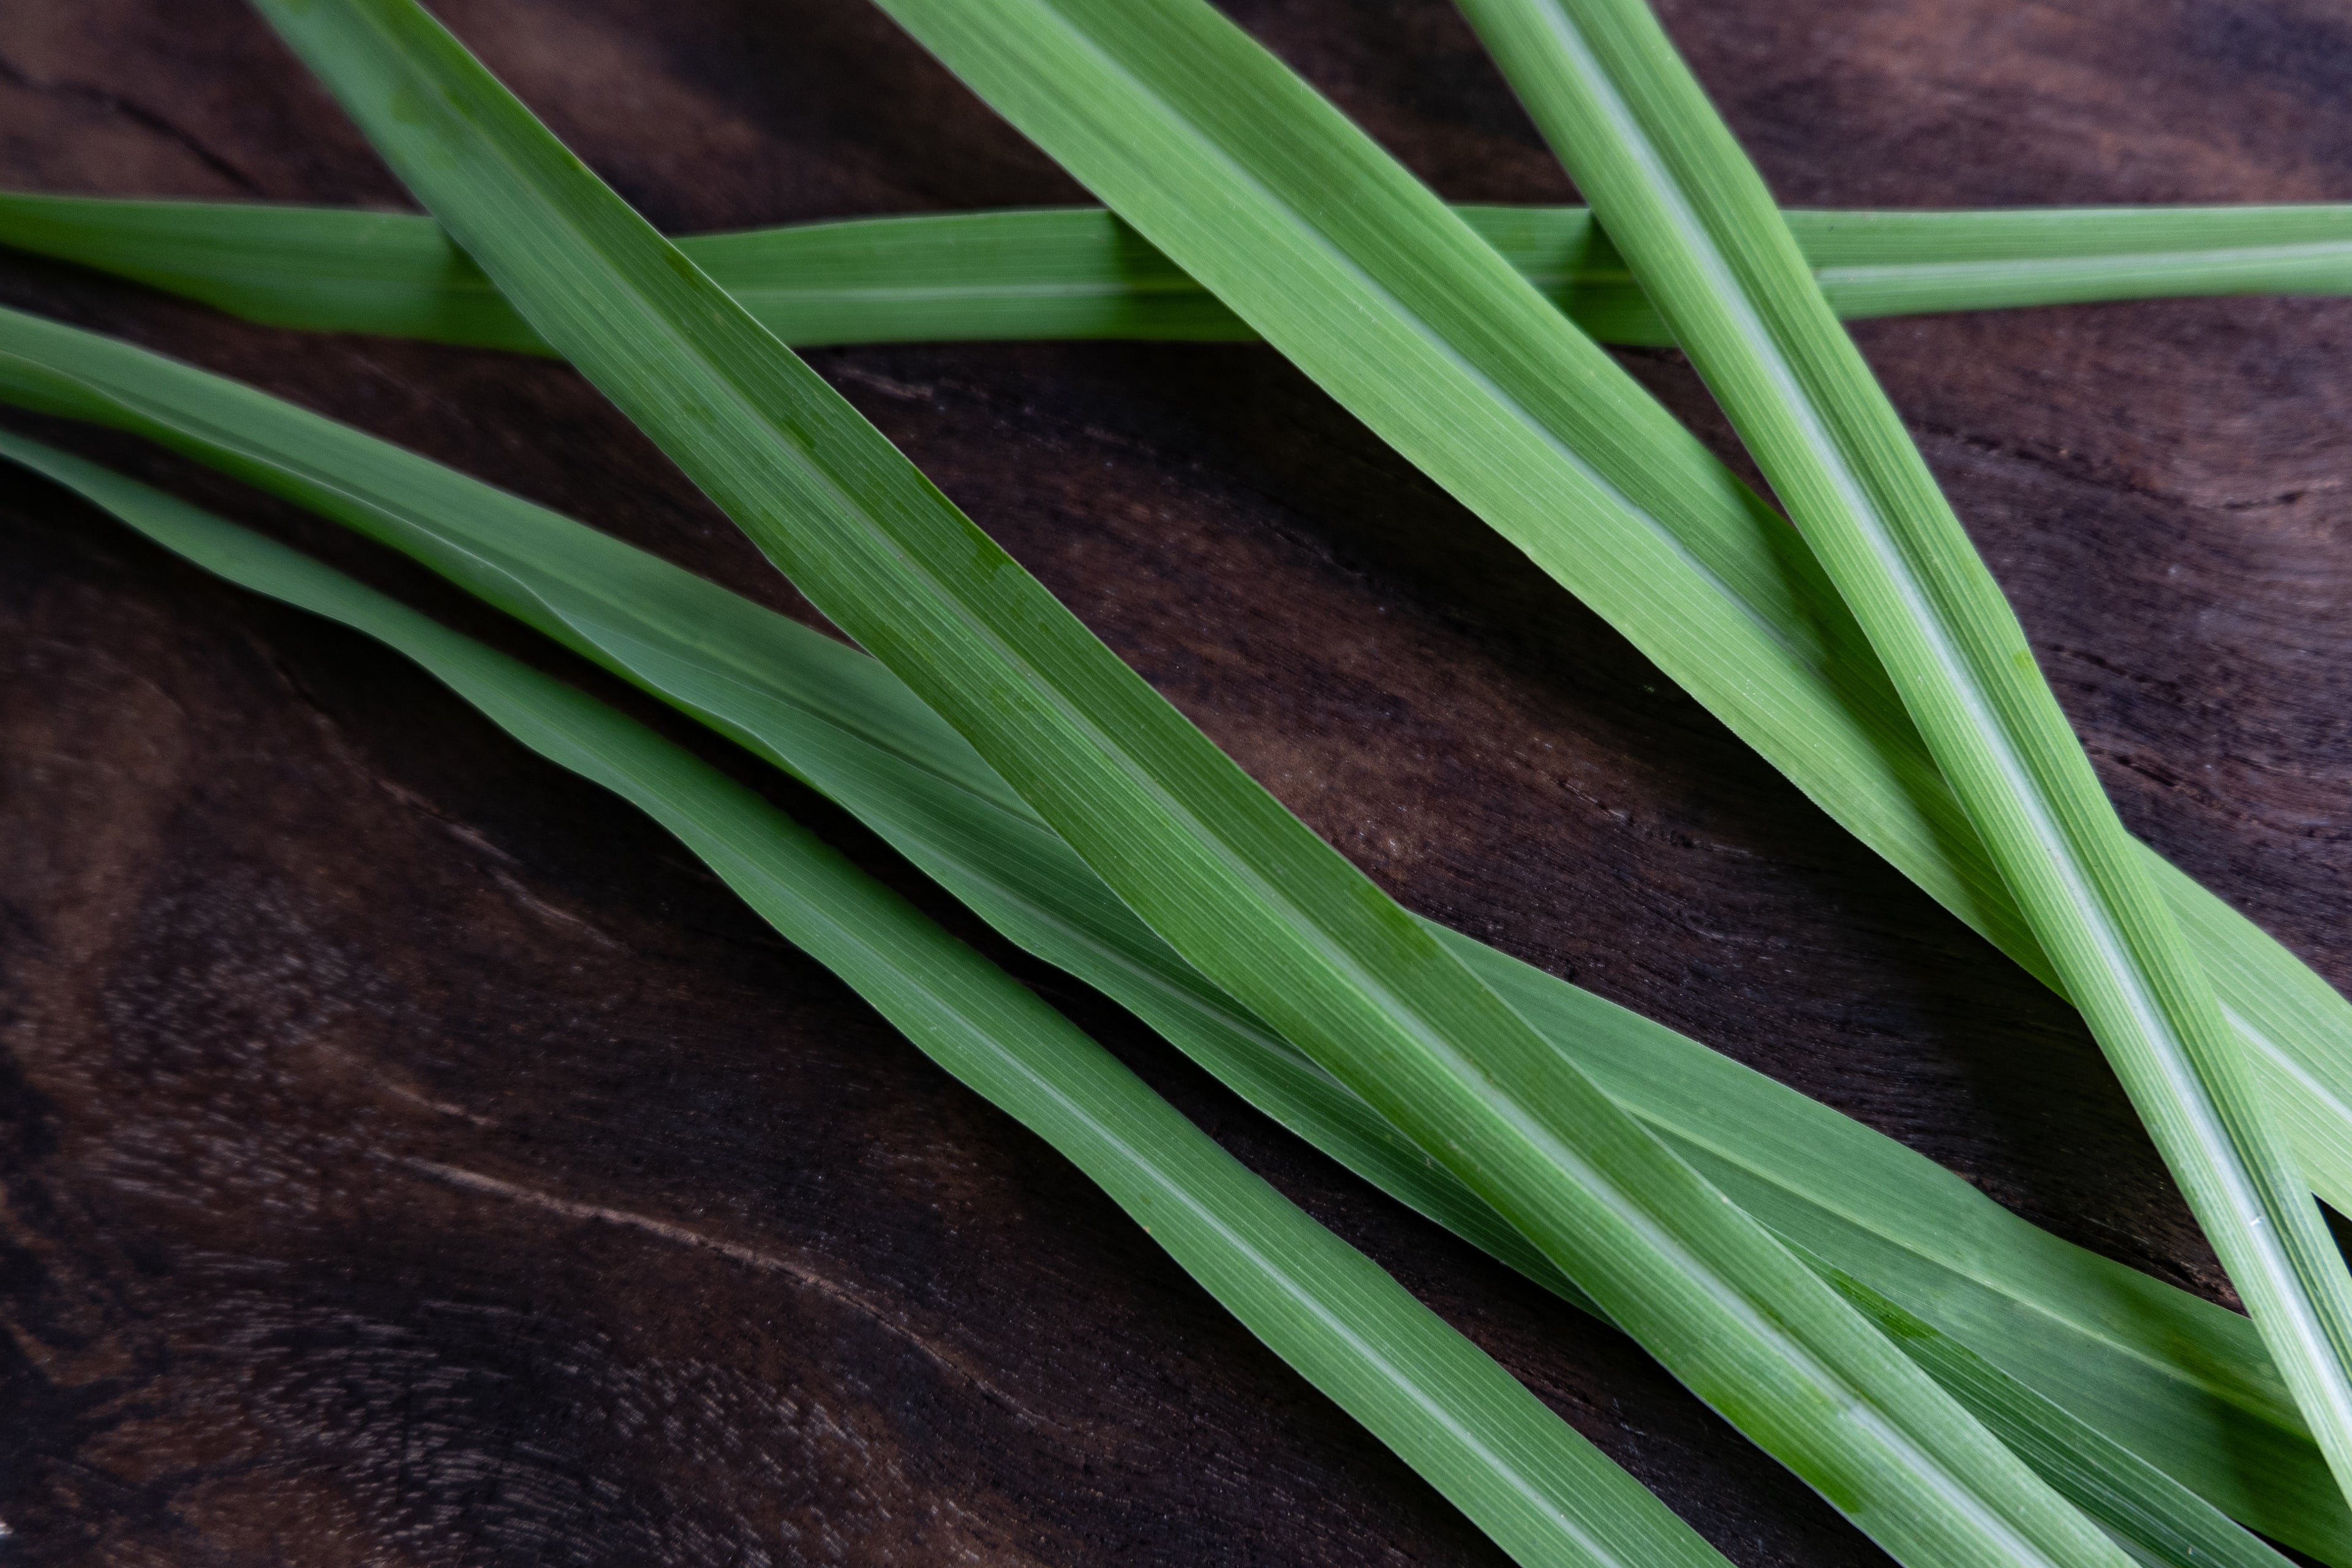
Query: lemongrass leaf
pixel 1075 272
pixel 2180 1383
pixel 1232 880
pixel 1541 1490
pixel 2184 1384
pixel 820 709
pixel 1902 263
pixel 1703 234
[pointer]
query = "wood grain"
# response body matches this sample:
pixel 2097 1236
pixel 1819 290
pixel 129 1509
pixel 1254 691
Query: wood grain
pixel 412 1157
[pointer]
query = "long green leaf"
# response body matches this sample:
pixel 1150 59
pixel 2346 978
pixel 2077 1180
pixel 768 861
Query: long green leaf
pixel 2182 1383
pixel 1233 882
pixel 1077 272
pixel 382 273
pixel 1704 237
pixel 788 688
pixel 1527 1478
pixel 1515 1467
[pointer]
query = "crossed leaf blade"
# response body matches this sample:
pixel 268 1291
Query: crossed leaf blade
pixel 1861 758
pixel 1263 191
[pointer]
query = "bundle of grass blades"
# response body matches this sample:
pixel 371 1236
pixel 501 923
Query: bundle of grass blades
pixel 1940 1469
pixel 1234 886
pixel 1080 273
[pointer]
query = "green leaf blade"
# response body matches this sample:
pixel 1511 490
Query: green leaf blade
pixel 888 278
pixel 2147 1514
pixel 1078 272
pixel 1268 196
pixel 1675 554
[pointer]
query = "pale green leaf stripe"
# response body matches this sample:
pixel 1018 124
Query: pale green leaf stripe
pixel 1704 237
pixel 2184 1384
pixel 1233 882
pixel 1078 272
pixel 1543 1493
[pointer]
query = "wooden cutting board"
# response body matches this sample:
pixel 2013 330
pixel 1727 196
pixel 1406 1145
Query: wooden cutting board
pixel 410 1156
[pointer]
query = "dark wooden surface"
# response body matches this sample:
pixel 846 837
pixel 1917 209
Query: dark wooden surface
pixel 412 1157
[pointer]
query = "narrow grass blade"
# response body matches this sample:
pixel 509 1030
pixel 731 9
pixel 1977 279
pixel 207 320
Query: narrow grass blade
pixel 1233 882
pixel 1543 1493
pixel 1904 263
pixel 2175 1380
pixel 1242 174
pixel 1042 273
pixel 1692 217
pixel 1078 272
